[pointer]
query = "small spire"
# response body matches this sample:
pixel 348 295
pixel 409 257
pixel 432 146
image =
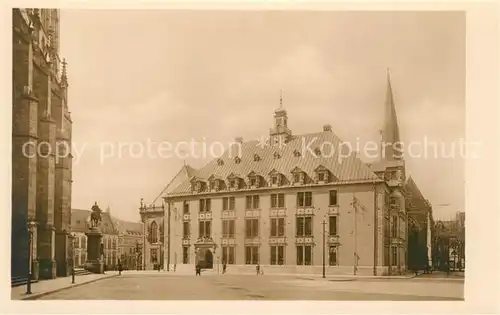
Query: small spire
pixel 64 75
pixel 281 98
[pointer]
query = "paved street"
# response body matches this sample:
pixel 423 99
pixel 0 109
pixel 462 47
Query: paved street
pixel 250 287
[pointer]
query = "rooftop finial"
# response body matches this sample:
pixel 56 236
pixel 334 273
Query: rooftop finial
pixel 281 98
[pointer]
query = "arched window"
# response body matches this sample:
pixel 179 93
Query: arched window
pixel 154 232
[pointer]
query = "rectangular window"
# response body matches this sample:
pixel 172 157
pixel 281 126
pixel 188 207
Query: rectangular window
pixel 277 255
pixel 228 255
pixel 252 202
pixel 304 199
pixel 251 255
pixel 333 198
pixel 304 226
pixel 205 205
pixel 277 200
pixel 332 255
pixel 225 203
pixel 300 255
pixel 231 260
pixel 304 255
pixel 274 201
pixel 281 200
pixel 278 227
pixel 225 254
pixel 274 227
pixel 205 228
pixel 231 203
pixel 333 225
pixel 274 180
pixel 321 177
pixel 185 206
pixel 228 228
pixel 308 255
pixel 185 229
pixel 252 227
pixel 252 182
pixel 281 227
pixel 185 255
pixel 231 228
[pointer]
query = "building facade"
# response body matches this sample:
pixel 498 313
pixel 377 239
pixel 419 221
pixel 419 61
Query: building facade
pixel 81 224
pixel 130 242
pixel 41 179
pixel 284 206
pixel 449 244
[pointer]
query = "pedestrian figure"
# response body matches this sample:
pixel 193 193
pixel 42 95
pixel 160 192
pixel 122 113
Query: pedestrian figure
pixel 224 266
pixel 175 266
pixel 198 270
pixel 120 268
pixel 257 268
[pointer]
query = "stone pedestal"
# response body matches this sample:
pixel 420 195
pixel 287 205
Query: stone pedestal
pixel 94 262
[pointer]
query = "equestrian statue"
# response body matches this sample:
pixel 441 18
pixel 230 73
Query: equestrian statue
pixel 95 216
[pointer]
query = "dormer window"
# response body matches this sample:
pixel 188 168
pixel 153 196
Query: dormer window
pixel 220 162
pixel 256 157
pixel 299 176
pixel 296 153
pixel 322 174
pixel 235 181
pixel 321 177
pixel 215 183
pixel 253 180
pixel 237 160
pixel 275 178
pixel 277 155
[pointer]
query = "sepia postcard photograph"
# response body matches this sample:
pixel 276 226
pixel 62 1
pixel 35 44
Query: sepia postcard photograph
pixel 233 154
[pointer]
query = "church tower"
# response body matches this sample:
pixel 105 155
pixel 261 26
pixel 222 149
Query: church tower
pixel 280 131
pixel 41 181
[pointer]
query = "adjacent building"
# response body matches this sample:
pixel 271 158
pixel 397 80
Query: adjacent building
pixel 284 204
pixel 41 148
pixel 81 224
pixel 449 243
pixel 130 242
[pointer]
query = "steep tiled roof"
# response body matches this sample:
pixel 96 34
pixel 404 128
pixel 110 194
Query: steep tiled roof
pixel 80 222
pixel 127 227
pixel 184 174
pixel 415 198
pixel 345 169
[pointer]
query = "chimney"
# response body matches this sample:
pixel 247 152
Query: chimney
pixel 327 127
pixel 239 139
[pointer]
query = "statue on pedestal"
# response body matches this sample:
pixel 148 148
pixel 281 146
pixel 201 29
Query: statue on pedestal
pixel 95 217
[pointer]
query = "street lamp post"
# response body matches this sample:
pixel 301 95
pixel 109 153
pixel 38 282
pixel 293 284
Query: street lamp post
pixel 31 228
pixel 73 237
pixel 324 245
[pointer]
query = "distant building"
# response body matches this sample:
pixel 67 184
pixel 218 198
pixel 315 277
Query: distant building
pixel 41 182
pixel 81 224
pixel 271 204
pixel 449 243
pixel 130 242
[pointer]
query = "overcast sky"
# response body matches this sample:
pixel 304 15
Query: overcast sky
pixel 178 75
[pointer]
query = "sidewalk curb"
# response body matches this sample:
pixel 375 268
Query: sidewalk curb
pixel 39 295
